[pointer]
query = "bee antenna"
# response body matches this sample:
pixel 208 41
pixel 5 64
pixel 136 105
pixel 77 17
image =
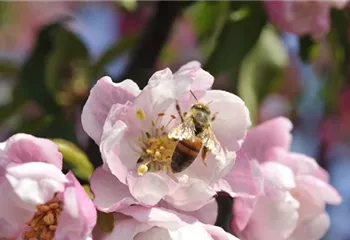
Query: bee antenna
pixel 194 95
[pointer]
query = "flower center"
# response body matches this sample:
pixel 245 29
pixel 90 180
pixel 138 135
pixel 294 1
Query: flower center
pixel 44 223
pixel 157 148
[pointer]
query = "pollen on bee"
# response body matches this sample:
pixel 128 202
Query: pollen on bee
pixel 141 114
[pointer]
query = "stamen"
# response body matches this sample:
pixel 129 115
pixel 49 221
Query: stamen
pixel 149 151
pixel 172 118
pixel 44 222
pixel 140 114
pixel 148 135
pixel 142 169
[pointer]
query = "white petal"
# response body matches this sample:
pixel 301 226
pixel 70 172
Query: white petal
pixel 103 95
pixel 148 189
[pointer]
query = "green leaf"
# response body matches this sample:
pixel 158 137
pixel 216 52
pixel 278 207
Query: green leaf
pixel 32 74
pixel 111 54
pixel 237 38
pixel 77 160
pixel 88 191
pixel 129 5
pixel 209 19
pixel 260 68
pixel 105 221
pixel 67 61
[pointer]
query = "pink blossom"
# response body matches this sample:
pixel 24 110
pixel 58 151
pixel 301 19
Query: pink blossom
pixel 122 120
pixel 296 189
pixel 37 199
pixel 302 17
pixel 139 223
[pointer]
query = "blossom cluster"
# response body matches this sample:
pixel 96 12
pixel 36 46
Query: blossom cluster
pixel 303 17
pixel 276 194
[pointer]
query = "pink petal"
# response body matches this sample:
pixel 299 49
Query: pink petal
pixel 127 230
pixel 218 233
pixel 116 152
pixel 202 80
pixel 2 145
pixel 299 163
pixel 158 217
pixel 159 76
pixel 310 205
pixel 160 93
pixel 159 223
pixel 245 178
pixel 24 148
pixel 192 231
pixel 216 168
pixel 78 210
pixel 102 96
pixel 154 233
pixel 7 231
pixel 110 194
pixel 272 133
pixel 148 189
pixel 277 179
pixel 320 190
pixel 191 196
pixel 231 113
pixel 206 214
pixel 321 174
pixel 35 183
pixel 272 219
pixel 12 216
pixel 242 210
pixel 312 229
pixel 340 3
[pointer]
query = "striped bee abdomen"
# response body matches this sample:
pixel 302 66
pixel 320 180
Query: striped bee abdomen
pixel 185 153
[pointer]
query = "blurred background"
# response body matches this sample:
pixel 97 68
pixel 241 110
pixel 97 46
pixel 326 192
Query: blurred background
pixel 52 53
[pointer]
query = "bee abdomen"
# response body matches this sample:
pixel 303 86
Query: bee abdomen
pixel 185 153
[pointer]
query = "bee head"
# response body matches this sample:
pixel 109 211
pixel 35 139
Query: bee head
pixel 201 113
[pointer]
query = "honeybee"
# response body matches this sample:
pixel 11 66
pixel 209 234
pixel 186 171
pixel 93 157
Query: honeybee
pixel 194 134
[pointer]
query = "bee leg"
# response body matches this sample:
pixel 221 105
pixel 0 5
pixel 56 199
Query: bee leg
pixel 214 116
pixel 179 110
pixel 204 155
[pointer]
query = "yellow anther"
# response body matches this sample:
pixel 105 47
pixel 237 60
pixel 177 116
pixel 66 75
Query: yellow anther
pixel 149 151
pixel 157 154
pixel 140 114
pixel 161 148
pixel 142 169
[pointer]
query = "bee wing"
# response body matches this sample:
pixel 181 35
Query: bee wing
pixel 211 143
pixel 184 130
